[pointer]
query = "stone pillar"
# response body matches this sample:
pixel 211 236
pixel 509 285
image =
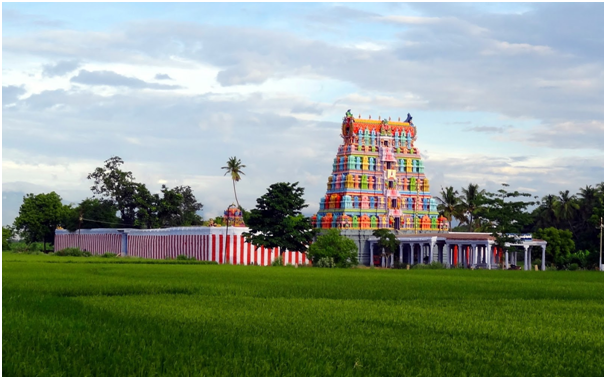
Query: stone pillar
pixel 461 254
pixel 488 256
pixel 543 257
pixel 474 254
pixel 401 253
pixel 411 257
pixel 526 268
pixel 506 265
pixel 372 257
pixel 448 259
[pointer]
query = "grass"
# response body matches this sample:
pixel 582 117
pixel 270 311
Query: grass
pixel 87 319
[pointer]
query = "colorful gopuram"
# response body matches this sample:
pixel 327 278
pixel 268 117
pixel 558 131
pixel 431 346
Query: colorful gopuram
pixel 378 180
pixel 233 216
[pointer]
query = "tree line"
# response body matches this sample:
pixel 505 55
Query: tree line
pixel 118 201
pixel 570 223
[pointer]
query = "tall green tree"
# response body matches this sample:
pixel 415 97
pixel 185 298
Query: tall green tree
pixel 137 206
pixel 119 186
pixel 567 209
pixel 277 220
pixel 505 212
pixel 96 213
pixel 471 201
pixel 560 245
pixel 39 216
pixel 387 241
pixel 177 207
pixel 234 169
pixel 546 214
pixel 188 208
pixel 449 204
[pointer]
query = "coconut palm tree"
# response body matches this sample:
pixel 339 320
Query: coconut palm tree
pixel 547 212
pixel 587 199
pixel 568 207
pixel 234 168
pixel 449 204
pixel 471 201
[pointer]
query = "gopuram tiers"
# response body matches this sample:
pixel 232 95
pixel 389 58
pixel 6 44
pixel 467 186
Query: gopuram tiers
pixel 378 180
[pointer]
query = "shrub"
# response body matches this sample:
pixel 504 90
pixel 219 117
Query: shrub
pixel 551 268
pixel 290 265
pixel 400 265
pixel 278 261
pixel 7 234
pixel 108 255
pixel 536 262
pixel 325 262
pixel 183 257
pixel 342 250
pixel 435 265
pixel 431 266
pixel 26 248
pixel 29 252
pixel 72 252
pixel 573 267
pixel 581 258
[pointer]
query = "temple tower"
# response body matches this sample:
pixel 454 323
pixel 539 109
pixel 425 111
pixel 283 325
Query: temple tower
pixel 378 180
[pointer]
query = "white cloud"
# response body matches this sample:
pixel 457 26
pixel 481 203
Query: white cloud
pixel 274 95
pixel 503 47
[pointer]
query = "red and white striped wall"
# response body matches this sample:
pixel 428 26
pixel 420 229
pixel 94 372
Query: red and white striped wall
pixel 203 243
pixel 95 241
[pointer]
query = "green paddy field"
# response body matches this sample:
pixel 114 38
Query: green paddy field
pixel 64 316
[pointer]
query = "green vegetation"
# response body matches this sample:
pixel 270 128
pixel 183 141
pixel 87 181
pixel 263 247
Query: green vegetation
pixel 560 245
pixel 431 266
pixel 183 257
pixel 277 220
pixel 39 215
pixel 333 250
pixel 387 242
pixel 509 212
pixel 73 316
pixel 72 252
pixel 7 235
pixel 137 206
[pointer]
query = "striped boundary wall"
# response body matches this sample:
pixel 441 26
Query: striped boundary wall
pixel 203 243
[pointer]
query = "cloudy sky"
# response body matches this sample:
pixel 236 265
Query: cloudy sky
pixel 499 92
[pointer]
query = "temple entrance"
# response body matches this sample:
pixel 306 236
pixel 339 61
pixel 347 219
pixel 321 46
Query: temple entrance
pixel 396 223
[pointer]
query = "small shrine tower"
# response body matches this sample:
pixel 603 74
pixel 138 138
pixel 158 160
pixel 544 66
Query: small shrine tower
pixel 378 180
pixel 233 216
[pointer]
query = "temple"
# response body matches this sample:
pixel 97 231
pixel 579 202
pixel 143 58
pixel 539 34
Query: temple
pixel 378 180
pixel 233 217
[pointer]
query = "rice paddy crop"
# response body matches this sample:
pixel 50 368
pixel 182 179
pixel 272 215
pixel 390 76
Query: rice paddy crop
pixel 66 316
